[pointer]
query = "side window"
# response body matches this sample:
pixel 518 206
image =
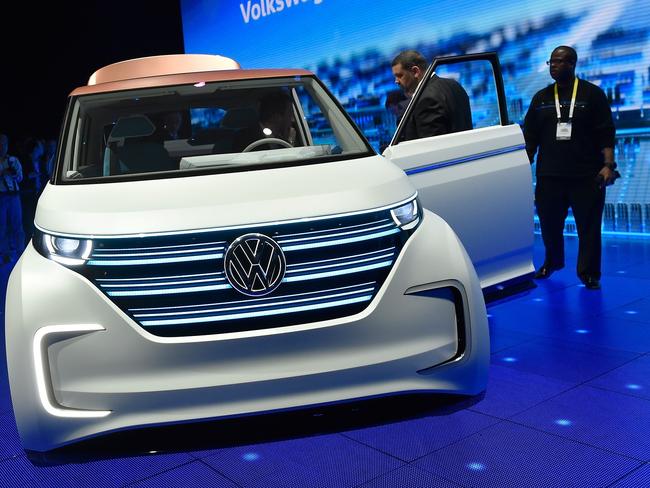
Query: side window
pixel 457 94
pixel 477 79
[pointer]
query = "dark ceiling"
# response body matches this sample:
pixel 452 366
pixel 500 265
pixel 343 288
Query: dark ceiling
pixel 50 49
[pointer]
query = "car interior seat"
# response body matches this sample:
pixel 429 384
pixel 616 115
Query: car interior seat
pixel 132 150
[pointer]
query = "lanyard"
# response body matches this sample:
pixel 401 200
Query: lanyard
pixel 573 100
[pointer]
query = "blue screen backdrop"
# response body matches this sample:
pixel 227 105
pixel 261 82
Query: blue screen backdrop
pixel 349 44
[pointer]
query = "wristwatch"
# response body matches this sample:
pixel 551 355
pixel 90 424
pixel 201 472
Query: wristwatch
pixel 611 165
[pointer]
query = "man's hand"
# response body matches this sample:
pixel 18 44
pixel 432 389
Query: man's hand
pixel 608 177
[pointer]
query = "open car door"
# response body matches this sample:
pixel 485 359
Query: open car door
pixel 478 180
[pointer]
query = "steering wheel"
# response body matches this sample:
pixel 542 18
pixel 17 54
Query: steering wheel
pixel 266 140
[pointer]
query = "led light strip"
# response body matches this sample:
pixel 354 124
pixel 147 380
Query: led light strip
pixel 337 229
pixel 261 313
pixel 259 300
pixel 39 355
pixel 280 301
pixel 153 278
pixel 372 254
pixel 157 253
pixel 130 262
pixel 162 283
pixel 167 291
pixel 298 269
pixel 334 235
pixel 339 272
pixel 336 242
pixel 117 249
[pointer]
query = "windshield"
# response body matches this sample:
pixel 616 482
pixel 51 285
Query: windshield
pixel 225 126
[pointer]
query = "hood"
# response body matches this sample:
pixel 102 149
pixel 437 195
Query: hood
pixel 221 200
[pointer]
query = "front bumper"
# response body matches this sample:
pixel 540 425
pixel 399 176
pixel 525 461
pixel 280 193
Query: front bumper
pixel 69 385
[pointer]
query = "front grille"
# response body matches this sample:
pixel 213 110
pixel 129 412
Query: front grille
pixel 175 285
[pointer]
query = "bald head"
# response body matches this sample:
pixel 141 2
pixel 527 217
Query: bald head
pixel 562 65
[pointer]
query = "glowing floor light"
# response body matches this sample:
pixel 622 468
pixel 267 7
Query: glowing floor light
pixel 476 466
pixel 563 422
pixel 250 456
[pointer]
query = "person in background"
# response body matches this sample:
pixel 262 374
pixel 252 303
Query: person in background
pixel 49 158
pixel 171 125
pixel 570 124
pixel 276 121
pixel 34 181
pixel 442 108
pixel 12 237
pixel 396 103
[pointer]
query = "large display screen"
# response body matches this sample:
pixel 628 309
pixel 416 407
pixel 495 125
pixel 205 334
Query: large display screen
pixel 349 44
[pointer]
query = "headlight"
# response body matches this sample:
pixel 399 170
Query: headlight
pixel 64 250
pixel 407 216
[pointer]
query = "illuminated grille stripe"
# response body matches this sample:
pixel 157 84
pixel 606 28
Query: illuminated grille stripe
pixel 259 313
pixel 342 259
pixel 163 283
pixel 156 253
pixel 152 248
pixel 167 291
pixel 132 262
pixel 252 301
pixel 276 302
pixel 338 272
pixel 148 279
pixel 335 234
pixel 337 242
pixel 348 228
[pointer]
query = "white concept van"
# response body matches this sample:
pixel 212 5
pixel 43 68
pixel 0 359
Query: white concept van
pixel 219 241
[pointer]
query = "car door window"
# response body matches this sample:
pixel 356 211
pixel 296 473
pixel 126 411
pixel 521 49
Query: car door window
pixel 456 94
pixel 477 79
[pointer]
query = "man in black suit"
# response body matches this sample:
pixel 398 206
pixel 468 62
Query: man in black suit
pixel 442 108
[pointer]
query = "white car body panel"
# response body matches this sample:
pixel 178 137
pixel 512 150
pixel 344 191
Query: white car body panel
pixel 222 200
pixel 467 189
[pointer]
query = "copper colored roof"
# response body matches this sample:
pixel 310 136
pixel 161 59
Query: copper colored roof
pixel 169 64
pixel 189 78
pixel 174 69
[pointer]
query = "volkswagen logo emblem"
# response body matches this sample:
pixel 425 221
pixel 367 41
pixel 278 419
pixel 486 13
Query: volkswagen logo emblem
pixel 254 264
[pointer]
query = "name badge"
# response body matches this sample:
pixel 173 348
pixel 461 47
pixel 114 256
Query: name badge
pixel 563 132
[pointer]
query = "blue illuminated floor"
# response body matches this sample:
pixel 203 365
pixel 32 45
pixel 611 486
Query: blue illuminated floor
pixel 568 404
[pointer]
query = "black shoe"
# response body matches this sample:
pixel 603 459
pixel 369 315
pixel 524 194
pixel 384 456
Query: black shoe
pixel 591 283
pixel 545 272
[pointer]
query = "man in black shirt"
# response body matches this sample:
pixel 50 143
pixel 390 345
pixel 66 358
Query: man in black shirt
pixel 443 106
pixel 570 122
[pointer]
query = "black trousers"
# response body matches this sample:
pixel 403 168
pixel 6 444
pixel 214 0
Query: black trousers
pixel 553 197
